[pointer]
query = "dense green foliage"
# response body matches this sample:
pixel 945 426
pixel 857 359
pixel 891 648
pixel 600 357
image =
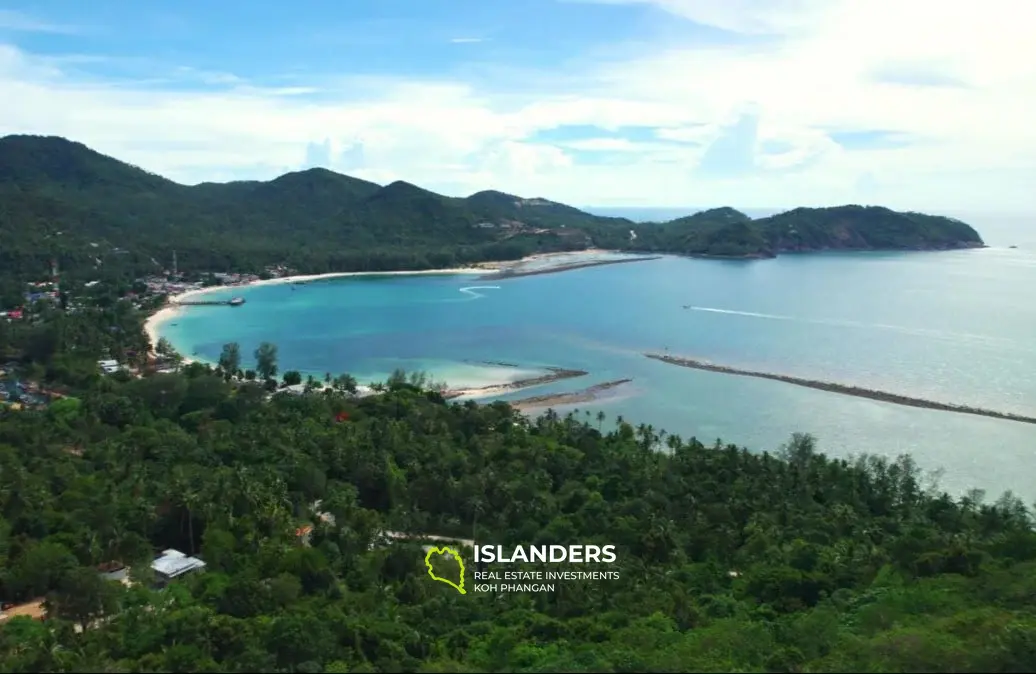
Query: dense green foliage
pixel 729 560
pixel 725 232
pixel 102 218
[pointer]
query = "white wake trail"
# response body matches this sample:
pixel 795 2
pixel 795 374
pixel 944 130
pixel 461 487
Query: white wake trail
pixel 470 291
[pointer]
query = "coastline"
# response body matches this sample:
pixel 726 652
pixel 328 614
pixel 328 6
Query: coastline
pixel 172 308
pixel 844 389
pixel 153 324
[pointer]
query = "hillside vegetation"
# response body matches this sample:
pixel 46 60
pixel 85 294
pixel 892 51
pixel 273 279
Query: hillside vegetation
pixel 100 216
pixel 729 561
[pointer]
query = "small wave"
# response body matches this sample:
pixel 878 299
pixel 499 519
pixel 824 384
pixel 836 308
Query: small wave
pixel 470 290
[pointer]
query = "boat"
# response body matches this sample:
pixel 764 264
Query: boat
pixel 237 301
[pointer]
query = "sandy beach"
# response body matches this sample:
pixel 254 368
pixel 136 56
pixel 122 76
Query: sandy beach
pixel 172 309
pixel 154 323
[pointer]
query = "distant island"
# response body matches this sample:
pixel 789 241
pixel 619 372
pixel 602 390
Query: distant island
pixel 96 215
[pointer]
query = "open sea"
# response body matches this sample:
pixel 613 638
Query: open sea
pixel 956 327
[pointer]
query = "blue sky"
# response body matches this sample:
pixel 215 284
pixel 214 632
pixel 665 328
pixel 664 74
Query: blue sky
pixel 268 43
pixel 753 103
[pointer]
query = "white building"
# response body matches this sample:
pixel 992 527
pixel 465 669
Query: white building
pixel 174 564
pixel 109 366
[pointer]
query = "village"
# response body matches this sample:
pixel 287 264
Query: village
pixel 18 393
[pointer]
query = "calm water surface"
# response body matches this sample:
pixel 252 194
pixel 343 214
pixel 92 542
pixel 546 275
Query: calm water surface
pixel 957 327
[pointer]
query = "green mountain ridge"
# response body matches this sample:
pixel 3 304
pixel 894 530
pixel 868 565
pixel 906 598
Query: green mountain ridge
pixel 61 200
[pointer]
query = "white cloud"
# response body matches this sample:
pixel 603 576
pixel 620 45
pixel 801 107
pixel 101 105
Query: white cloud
pixel 24 23
pixel 468 40
pixel 830 70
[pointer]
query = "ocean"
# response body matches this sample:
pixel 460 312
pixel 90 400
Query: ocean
pixel 956 327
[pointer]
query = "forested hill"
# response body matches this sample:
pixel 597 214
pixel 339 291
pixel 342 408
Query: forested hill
pixel 95 214
pixel 727 560
pixel 725 232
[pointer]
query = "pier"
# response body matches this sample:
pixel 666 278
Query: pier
pixel 236 302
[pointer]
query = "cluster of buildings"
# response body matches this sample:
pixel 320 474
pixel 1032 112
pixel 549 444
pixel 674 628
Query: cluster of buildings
pixel 16 394
pixel 171 283
pixel 162 285
pixel 42 290
pixel 35 292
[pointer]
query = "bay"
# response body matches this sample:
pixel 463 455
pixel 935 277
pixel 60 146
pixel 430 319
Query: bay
pixel 956 327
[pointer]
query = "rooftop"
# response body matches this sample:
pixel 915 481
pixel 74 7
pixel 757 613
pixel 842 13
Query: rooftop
pixel 173 563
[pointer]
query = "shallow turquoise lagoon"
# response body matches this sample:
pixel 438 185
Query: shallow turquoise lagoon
pixel 955 326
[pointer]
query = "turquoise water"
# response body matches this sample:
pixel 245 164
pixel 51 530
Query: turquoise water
pixel 957 326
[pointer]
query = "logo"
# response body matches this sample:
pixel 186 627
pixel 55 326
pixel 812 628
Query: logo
pixel 447 553
pixel 497 563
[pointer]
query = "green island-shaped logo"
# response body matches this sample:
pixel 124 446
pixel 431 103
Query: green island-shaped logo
pixel 452 553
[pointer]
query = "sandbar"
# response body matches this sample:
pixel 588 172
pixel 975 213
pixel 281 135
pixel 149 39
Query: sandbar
pixel 510 273
pixel 553 374
pixel 586 395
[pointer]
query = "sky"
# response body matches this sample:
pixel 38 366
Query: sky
pixel 912 104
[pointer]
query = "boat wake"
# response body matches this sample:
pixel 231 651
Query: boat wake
pixel 470 291
pixel 922 332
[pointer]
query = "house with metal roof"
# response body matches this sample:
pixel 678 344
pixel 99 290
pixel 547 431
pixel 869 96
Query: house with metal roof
pixel 173 564
pixel 109 366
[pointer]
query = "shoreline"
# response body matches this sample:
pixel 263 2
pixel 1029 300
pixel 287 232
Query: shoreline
pixel 172 307
pixel 844 389
pixel 548 400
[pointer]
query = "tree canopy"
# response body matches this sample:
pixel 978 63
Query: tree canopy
pixel 101 218
pixel 729 560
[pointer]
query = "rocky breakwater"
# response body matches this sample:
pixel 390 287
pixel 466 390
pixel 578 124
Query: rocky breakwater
pixel 844 389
